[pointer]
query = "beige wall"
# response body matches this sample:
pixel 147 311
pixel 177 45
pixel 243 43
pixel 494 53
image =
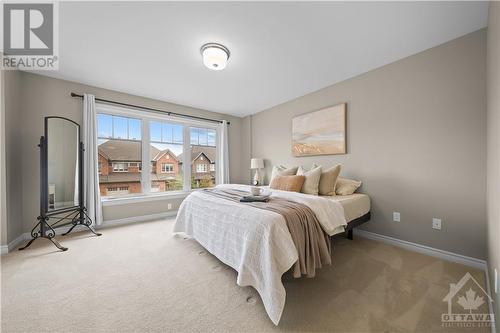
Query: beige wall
pixel 246 149
pixel 416 138
pixel 42 96
pixel 3 178
pixel 493 144
pixel 13 157
pixel 119 212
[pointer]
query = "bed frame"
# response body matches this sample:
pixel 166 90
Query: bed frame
pixel 355 223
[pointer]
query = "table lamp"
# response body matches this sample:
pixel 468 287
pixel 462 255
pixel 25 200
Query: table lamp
pixel 256 163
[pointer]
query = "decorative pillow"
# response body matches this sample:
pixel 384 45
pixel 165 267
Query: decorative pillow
pixel 328 180
pixel 311 184
pixel 287 183
pixel 282 171
pixel 346 186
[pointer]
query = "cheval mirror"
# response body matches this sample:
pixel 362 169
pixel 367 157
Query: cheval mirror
pixel 61 181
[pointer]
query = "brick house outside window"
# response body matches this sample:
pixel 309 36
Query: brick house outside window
pixel 120 168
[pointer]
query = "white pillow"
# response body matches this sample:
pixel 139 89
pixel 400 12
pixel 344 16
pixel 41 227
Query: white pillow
pixel 282 171
pixel 311 183
pixel 328 179
pixel 346 186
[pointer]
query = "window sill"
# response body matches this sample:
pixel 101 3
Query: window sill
pixel 144 198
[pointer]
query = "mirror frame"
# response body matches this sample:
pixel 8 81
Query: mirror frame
pixel 44 171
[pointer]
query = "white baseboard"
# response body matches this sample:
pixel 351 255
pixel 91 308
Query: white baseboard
pixel 135 219
pixel 445 255
pixel 13 244
pixel 4 249
pixel 490 304
pixel 430 251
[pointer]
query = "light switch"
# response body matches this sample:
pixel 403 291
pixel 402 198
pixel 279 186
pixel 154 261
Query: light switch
pixel 396 216
pixel 436 223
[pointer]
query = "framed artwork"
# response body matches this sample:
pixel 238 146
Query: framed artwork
pixel 320 132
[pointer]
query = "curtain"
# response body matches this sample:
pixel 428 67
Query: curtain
pixel 76 194
pixel 223 152
pixel 92 197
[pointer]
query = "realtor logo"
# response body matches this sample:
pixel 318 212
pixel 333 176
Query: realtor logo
pixel 29 36
pixel 468 305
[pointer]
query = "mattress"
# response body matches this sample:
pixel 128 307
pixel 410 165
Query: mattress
pixel 255 242
pixel 355 205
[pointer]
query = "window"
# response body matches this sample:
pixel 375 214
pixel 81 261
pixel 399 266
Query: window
pixel 120 167
pixel 167 167
pixel 99 167
pixel 201 168
pixel 119 190
pixel 167 146
pixel 114 127
pixel 142 152
pixel 120 147
pixel 202 137
pixel 203 154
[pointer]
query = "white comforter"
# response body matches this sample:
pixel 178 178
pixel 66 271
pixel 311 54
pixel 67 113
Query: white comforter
pixel 253 241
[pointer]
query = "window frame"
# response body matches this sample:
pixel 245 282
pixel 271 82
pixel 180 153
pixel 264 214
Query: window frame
pixel 146 165
pixel 123 169
pixel 201 170
pixel 165 166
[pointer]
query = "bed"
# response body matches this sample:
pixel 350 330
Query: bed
pixel 255 242
pixel 356 210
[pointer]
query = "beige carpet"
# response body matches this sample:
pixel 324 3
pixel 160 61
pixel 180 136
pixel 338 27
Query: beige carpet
pixel 139 278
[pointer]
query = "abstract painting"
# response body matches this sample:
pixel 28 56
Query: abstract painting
pixel 320 132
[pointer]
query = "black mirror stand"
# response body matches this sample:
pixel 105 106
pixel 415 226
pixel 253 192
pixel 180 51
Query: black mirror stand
pixel 77 215
pixel 46 231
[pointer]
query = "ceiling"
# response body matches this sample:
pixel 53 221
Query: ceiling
pixel 279 51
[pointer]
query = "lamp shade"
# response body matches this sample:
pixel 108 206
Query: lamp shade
pixel 256 163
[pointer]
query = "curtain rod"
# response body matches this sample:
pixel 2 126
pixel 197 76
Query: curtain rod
pixel 150 109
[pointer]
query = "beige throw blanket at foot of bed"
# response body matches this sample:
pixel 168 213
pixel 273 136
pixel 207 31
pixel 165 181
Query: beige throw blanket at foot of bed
pixel 312 243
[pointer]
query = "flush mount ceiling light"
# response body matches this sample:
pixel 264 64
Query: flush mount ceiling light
pixel 215 56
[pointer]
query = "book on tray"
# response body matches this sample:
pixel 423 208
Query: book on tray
pixel 255 198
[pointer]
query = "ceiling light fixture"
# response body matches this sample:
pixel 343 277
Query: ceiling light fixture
pixel 215 56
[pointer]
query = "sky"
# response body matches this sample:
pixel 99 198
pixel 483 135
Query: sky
pixel 113 127
pixel 162 135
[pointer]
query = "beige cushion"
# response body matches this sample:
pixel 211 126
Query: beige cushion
pixel 287 183
pixel 282 171
pixel 311 184
pixel 346 186
pixel 328 180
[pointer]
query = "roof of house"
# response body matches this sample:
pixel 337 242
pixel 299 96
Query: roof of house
pixel 196 151
pixel 164 176
pixel 161 153
pixel 122 150
pixel 120 177
pixel 128 177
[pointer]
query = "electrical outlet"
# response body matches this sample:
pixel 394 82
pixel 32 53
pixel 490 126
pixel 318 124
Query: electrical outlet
pixel 436 223
pixel 396 217
pixel 169 206
pixel 496 281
